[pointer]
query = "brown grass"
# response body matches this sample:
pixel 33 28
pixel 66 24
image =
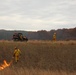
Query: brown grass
pixel 40 57
pixel 25 71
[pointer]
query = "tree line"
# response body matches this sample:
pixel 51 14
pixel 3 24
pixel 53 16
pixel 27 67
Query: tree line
pixel 61 34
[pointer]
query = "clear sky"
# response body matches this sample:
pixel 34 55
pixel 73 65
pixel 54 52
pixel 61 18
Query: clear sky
pixel 31 15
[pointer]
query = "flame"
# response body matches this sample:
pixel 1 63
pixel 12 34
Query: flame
pixel 5 64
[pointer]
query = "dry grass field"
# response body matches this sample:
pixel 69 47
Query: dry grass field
pixel 40 58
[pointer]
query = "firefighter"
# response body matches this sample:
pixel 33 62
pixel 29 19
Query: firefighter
pixel 16 54
pixel 54 37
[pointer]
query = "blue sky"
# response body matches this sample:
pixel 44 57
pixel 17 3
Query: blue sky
pixel 33 15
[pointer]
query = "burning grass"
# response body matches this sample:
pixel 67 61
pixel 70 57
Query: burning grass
pixel 5 65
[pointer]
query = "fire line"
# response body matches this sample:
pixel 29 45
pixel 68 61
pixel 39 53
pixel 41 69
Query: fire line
pixel 4 65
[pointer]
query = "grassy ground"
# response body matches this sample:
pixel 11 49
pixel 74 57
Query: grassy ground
pixel 40 57
pixel 25 71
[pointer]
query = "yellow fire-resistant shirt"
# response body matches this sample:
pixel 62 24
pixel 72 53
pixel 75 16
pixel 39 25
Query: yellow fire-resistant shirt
pixel 17 52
